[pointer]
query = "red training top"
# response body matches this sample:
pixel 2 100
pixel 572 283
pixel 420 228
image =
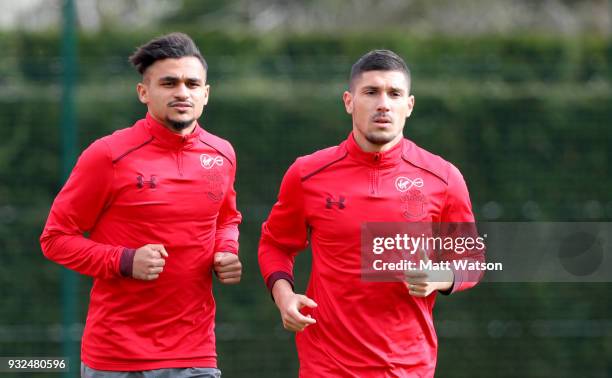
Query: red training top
pixel 363 329
pixel 147 185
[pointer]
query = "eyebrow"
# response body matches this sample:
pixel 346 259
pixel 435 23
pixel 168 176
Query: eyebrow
pixel 374 87
pixel 175 79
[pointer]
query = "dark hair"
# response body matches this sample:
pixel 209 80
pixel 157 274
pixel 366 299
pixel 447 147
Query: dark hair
pixel 173 45
pixel 379 60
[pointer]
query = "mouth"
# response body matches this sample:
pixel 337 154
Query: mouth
pixel 382 121
pixel 181 106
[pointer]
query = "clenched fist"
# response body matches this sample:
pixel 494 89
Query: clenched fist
pixel 228 268
pixel 149 261
pixel 422 282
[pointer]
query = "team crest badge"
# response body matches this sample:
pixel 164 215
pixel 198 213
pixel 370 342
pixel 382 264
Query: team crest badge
pixel 413 204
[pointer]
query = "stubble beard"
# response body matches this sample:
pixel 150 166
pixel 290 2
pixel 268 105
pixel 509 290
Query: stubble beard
pixel 380 138
pixel 180 125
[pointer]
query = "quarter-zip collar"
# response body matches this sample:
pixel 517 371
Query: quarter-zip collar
pixel 375 159
pixel 170 139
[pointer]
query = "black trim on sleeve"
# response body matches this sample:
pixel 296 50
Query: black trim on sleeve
pixel 279 276
pixel 447 291
pixel 126 264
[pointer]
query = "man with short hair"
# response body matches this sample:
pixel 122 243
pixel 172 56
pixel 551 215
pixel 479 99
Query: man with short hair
pixel 159 204
pixel 348 327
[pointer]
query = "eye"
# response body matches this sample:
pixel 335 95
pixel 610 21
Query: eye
pixel 396 94
pixel 193 84
pixel 167 84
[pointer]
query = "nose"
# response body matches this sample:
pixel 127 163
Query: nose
pixel 182 92
pixel 383 103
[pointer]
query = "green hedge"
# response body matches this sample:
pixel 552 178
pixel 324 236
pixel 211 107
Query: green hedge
pixel 311 57
pixel 524 118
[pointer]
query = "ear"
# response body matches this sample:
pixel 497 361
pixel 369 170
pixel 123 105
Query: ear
pixel 143 94
pixel 410 105
pixel 347 97
pixel 206 93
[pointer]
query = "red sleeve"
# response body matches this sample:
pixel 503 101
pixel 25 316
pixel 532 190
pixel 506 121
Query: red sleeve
pixel 226 236
pixel 285 232
pixel 76 210
pixel 458 209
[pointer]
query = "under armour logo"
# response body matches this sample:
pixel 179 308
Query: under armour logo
pixel 140 181
pixel 330 203
pixel 210 161
pixel 403 184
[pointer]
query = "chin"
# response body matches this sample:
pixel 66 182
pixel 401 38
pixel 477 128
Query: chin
pixel 180 124
pixel 380 138
pixel 182 118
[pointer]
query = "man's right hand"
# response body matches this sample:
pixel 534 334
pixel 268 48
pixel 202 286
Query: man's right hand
pixel 149 261
pixel 289 304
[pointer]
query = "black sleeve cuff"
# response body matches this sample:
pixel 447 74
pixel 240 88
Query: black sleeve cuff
pixel 279 276
pixel 126 263
pixel 447 291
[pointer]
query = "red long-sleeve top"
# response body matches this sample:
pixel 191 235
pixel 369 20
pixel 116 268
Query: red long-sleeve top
pixel 147 185
pixel 363 329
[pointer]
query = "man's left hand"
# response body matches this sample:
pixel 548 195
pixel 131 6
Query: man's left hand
pixel 422 282
pixel 228 268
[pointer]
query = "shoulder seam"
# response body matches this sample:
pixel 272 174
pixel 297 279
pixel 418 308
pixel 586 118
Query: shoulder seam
pixel 132 150
pixel 216 149
pixel 438 175
pixel 323 167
